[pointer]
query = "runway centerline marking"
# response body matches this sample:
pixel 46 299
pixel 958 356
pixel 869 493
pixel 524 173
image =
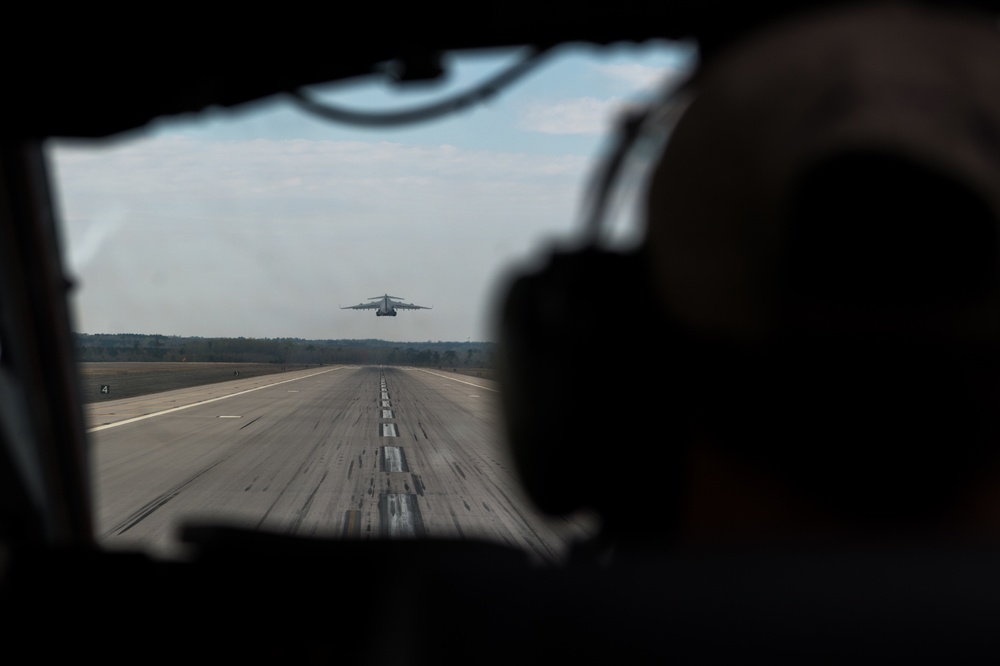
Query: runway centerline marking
pixel 400 515
pixel 203 402
pixel 393 459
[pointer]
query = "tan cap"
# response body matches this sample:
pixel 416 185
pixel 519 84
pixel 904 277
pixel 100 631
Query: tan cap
pixel 914 82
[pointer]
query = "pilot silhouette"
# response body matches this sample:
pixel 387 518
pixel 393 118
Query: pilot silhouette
pixel 819 277
pixel 823 227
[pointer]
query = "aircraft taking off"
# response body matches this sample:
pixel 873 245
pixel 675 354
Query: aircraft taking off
pixel 386 305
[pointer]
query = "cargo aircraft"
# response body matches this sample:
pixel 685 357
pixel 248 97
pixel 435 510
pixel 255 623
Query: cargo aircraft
pixel 386 305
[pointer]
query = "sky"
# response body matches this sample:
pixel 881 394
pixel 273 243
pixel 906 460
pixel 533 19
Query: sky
pixel 263 220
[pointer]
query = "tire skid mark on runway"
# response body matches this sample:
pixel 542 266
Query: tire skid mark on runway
pixel 462 442
pixel 511 510
pixel 513 521
pixel 300 514
pixel 251 422
pixel 150 507
pixel 513 530
pixel 145 512
pixel 304 511
pixel 131 521
pixel 458 526
pixel 315 455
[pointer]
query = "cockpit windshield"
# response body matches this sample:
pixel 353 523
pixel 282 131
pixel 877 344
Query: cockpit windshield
pixel 215 262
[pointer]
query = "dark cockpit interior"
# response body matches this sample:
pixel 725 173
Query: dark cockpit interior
pixel 825 259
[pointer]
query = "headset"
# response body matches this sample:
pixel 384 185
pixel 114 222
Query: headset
pixel 585 354
pixel 873 391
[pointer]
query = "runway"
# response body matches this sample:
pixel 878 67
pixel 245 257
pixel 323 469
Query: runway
pixel 353 452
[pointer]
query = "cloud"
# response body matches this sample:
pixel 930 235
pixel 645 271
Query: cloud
pixel 639 77
pixel 582 115
pixel 188 236
pixel 594 116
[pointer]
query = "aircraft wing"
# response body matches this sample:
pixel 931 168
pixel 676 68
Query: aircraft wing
pixel 361 306
pixel 410 306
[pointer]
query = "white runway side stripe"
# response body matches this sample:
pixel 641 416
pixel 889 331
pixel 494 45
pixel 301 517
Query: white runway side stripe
pixel 203 402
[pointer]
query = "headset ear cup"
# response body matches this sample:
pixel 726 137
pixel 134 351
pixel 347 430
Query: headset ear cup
pixel 571 378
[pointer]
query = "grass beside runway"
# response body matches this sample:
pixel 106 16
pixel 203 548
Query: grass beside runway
pixel 112 381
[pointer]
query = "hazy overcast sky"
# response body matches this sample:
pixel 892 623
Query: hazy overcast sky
pixel 261 221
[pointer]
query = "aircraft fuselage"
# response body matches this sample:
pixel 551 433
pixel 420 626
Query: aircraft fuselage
pixel 386 309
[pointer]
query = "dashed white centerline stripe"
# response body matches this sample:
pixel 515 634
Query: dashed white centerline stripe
pixel 393 459
pixel 400 519
pixel 204 402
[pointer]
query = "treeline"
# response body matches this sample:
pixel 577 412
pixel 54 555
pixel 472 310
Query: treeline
pixel 103 347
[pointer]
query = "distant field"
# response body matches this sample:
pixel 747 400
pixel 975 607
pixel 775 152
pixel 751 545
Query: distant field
pixel 127 380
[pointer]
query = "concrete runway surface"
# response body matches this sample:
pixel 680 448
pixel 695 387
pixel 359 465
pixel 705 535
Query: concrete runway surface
pixel 355 452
